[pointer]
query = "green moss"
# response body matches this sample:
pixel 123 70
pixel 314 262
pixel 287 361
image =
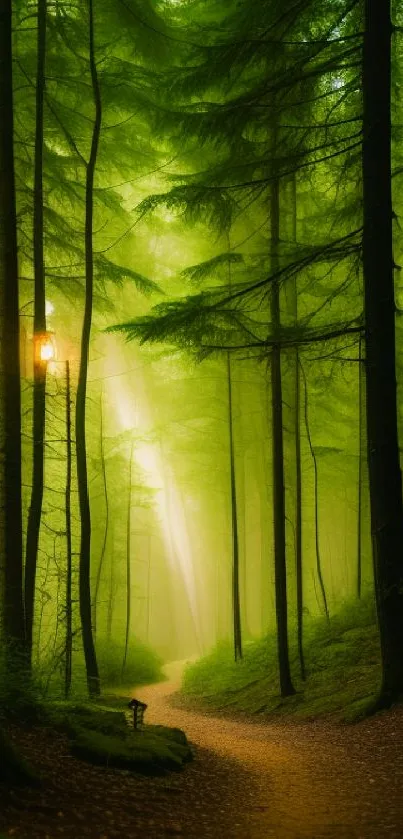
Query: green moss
pixel 103 736
pixel 142 751
pixel 342 662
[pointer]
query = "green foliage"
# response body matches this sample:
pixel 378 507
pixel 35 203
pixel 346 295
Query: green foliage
pixel 143 665
pixel 20 691
pixel 342 661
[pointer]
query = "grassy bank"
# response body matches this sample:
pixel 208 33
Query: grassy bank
pixel 342 662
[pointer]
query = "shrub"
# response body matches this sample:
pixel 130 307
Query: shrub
pixel 143 665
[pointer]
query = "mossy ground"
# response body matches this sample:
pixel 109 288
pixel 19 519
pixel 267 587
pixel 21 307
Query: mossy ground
pixel 101 735
pixel 342 662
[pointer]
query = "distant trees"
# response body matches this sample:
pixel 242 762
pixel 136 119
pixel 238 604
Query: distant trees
pixel 308 83
pixel 279 109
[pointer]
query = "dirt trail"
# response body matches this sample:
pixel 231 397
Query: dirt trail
pixel 307 781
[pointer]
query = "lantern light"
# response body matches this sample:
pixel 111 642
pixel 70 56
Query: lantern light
pixel 44 348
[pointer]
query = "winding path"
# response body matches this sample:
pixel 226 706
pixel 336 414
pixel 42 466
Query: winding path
pixel 289 781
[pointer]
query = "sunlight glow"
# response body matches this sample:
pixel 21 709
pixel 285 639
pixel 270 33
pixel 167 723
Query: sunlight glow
pixel 167 498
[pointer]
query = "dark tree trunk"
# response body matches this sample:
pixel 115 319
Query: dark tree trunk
pixel 69 605
pixel 280 567
pixel 383 451
pixel 298 519
pixel 236 604
pixel 128 563
pixel 111 594
pixel 10 396
pixel 360 470
pixel 106 528
pixel 297 454
pixel 39 399
pixel 316 497
pixel 82 472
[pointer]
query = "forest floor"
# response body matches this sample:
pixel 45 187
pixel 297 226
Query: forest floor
pixel 249 780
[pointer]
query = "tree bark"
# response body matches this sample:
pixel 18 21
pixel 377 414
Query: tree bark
pixel 361 404
pixel 106 528
pixel 316 497
pixel 383 451
pixel 82 471
pixel 280 567
pixel 69 568
pixel 128 562
pixel 10 395
pixel 297 455
pixel 39 387
pixel 236 604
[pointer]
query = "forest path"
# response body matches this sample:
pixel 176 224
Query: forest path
pixel 295 781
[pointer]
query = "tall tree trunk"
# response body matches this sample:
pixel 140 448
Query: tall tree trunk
pixel 10 395
pixel 39 398
pixel 236 604
pixel 82 471
pixel 148 587
pixel 280 568
pixel 383 451
pixel 316 496
pixel 106 527
pixel 111 594
pixel 128 562
pixel 297 454
pixel 298 519
pixel 360 470
pixel 69 605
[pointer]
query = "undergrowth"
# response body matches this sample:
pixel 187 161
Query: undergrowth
pixel 342 661
pixel 143 665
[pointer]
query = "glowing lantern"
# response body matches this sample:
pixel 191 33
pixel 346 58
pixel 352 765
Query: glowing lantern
pixel 44 348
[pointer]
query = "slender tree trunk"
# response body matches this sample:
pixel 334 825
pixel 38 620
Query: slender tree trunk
pixel 39 388
pixel 148 587
pixel 298 520
pixel 383 450
pixel 236 604
pixel 111 597
pixel 106 527
pixel 316 496
pixel 69 606
pixel 128 562
pixel 82 471
pixel 360 470
pixel 10 396
pixel 297 454
pixel 280 568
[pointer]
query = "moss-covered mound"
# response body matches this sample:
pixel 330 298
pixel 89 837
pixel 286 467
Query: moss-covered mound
pixel 103 736
pixel 342 663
